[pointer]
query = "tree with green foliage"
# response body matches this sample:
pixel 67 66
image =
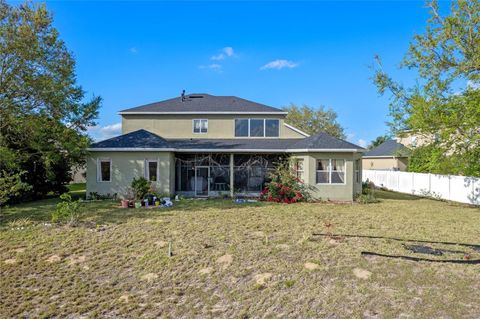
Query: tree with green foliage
pixel 43 112
pixel 379 140
pixel 445 101
pixel 313 121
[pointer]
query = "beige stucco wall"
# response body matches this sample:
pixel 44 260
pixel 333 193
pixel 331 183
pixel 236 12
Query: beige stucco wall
pixel 128 165
pixel 340 192
pixel 181 126
pixel 386 163
pixel 125 167
pixel 289 133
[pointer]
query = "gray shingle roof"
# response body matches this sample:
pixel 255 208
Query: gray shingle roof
pixel 387 148
pixel 323 140
pixel 199 102
pixel 140 138
pixel 144 139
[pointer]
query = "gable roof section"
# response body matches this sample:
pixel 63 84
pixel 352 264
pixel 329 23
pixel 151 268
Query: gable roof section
pixel 204 104
pixel 389 148
pixel 143 140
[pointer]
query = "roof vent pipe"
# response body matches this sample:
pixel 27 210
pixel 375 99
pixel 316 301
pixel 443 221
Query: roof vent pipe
pixel 183 95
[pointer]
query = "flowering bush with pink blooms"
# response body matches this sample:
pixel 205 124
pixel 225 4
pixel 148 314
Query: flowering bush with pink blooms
pixel 285 186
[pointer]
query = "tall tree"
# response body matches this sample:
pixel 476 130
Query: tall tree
pixel 43 112
pixel 313 121
pixel 445 101
pixel 379 140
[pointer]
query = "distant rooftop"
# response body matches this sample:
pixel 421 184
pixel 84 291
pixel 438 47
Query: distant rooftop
pixel 204 103
pixel 387 148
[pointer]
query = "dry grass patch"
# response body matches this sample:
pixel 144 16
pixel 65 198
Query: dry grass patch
pixel 239 261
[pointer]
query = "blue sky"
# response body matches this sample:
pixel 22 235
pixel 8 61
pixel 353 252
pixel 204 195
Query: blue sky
pixel 277 53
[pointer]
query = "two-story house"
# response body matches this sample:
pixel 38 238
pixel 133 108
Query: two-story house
pixel 205 145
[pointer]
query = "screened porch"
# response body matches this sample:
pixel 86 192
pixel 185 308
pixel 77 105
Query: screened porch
pixel 205 175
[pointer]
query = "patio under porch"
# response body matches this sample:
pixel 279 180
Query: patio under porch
pixel 213 175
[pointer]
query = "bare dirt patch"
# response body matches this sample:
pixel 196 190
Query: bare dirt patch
pixel 361 273
pixel 10 261
pixel 205 271
pixel 262 279
pixel 53 259
pixel 311 266
pixel 149 277
pixel 73 260
pixel 225 261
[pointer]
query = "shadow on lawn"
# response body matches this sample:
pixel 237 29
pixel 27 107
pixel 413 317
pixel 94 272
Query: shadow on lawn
pixel 109 211
pixel 381 194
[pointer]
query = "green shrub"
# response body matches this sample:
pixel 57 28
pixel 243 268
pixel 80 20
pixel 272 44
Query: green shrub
pixel 368 194
pixel 140 187
pixel 67 211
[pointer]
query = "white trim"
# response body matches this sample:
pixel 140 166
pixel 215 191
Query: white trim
pixel 193 113
pixel 296 129
pixel 130 149
pixel 216 150
pixel 193 126
pixel 383 156
pixel 99 169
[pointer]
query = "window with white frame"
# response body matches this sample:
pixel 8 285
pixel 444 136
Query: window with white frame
pixel 104 170
pixel 298 168
pixel 151 170
pixel 200 126
pixel 357 171
pixel 331 171
pixel 257 127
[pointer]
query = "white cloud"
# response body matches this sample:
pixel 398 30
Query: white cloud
pixel 218 57
pixel 99 133
pixel 279 64
pixel 362 143
pixel 473 85
pixel 214 66
pixel 133 50
pixel 225 52
pixel 229 51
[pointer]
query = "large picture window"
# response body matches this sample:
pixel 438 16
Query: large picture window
pixel 257 128
pixel 272 128
pixel 331 171
pixel 200 126
pixel 104 170
pixel 241 127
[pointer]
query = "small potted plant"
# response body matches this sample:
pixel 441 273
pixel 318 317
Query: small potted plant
pixel 127 199
pixel 140 187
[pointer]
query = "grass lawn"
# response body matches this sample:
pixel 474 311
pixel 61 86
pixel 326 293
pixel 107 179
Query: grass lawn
pixel 238 261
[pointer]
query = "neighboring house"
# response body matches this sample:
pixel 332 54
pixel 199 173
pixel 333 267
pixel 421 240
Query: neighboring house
pixel 390 155
pixel 205 145
pixel 78 175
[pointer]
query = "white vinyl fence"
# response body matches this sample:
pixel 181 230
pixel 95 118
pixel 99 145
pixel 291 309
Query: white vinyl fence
pixel 461 189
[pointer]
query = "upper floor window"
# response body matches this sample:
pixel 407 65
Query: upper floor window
pixel 200 126
pixel 257 127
